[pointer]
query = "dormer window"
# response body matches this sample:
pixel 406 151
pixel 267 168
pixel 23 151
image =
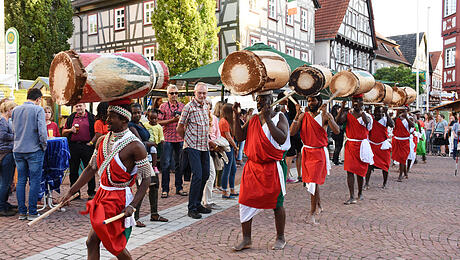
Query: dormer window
pixel 396 51
pixel 385 47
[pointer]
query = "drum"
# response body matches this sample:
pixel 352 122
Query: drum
pixel 388 95
pixel 245 72
pixel 97 77
pixel 379 93
pixel 310 80
pixel 411 95
pixel 399 97
pixel 348 83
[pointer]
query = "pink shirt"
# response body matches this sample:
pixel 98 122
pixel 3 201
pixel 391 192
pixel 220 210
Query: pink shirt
pixel 214 131
pixel 167 112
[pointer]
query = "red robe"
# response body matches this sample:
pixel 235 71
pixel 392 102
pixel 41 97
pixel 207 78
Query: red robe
pixel 260 182
pixel 314 167
pixel 107 204
pixel 401 148
pixel 378 134
pixel 353 161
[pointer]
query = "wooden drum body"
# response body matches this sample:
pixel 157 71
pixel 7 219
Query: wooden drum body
pixel 93 77
pixel 399 97
pixel 411 95
pixel 245 72
pixel 347 83
pixel 379 93
pixel 310 80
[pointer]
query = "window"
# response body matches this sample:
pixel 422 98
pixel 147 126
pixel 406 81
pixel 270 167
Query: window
pixel 149 7
pixel 253 5
pixel 384 47
pixel 274 45
pixel 303 19
pixel 289 18
pixel 337 52
pixel 253 40
pixel 304 56
pixel 92 24
pixel 450 57
pixel 272 9
pixel 149 52
pixel 396 51
pixel 289 51
pixel 119 18
pixel 450 7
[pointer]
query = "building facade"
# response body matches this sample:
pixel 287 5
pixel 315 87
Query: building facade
pixel 435 78
pixel 451 43
pixel 387 54
pixel 245 22
pixel 345 35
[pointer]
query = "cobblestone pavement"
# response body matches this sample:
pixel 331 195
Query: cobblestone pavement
pixel 418 218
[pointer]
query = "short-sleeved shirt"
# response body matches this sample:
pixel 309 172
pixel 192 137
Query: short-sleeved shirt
pixel 83 134
pixel 156 133
pixel 224 127
pixel 195 119
pixel 53 130
pixel 101 127
pixel 167 112
pixel 440 127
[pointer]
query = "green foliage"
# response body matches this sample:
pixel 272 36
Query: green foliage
pixel 401 75
pixel 186 32
pixel 44 27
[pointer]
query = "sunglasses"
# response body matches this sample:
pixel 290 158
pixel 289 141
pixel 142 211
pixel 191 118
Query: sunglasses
pixel 173 93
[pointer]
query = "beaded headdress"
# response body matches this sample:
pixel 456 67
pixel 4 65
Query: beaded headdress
pixel 114 106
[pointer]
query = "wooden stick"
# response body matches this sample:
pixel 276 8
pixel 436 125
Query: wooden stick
pixel 333 96
pixel 117 217
pixel 283 98
pixel 60 205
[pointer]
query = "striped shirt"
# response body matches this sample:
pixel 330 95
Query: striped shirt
pixel 195 119
pixel 167 112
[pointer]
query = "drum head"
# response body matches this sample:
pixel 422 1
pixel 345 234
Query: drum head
pixel 399 97
pixel 376 94
pixel 243 73
pixel 307 80
pixel 67 78
pixel 388 95
pixel 345 83
pixel 411 95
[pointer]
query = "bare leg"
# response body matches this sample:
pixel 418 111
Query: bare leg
pixel 314 202
pixel 368 177
pixel 124 255
pixel 402 167
pixel 289 163
pixel 318 199
pixel 93 245
pixel 351 188
pixel 385 178
pixel 360 187
pixel 280 222
pixel 246 243
pixel 406 171
pixel 298 164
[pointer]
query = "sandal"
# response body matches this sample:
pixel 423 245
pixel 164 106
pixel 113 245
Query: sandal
pixel 139 224
pixel 182 193
pixel 158 218
pixel 164 194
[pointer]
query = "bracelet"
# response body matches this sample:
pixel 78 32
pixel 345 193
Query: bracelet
pixel 91 143
pixel 131 206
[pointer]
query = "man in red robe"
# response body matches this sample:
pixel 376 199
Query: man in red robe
pixel 315 156
pixel 401 142
pixel 381 147
pixel 358 153
pixel 119 158
pixel 263 180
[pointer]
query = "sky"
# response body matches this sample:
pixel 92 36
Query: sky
pixel 395 17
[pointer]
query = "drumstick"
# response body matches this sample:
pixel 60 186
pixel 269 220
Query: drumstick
pixel 282 99
pixel 333 96
pixel 60 205
pixel 117 217
pixel 290 97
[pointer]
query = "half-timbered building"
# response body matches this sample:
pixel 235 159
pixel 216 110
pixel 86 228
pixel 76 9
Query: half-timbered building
pixel 435 78
pixel 387 54
pixel 451 44
pixel 345 35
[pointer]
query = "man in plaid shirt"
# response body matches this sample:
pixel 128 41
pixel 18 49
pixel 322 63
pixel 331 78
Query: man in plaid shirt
pixel 194 127
pixel 172 146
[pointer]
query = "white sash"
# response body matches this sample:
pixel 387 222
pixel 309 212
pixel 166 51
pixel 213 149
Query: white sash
pixel 385 144
pixel 129 221
pixel 365 151
pixel 401 138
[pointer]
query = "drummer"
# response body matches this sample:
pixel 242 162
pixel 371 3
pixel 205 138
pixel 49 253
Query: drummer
pixel 401 142
pixel 381 147
pixel 358 153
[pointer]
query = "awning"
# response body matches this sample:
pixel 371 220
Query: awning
pixel 454 106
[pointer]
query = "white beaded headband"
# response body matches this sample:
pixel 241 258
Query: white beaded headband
pixel 121 111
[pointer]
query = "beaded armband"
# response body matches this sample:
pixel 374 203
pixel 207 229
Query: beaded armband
pixel 144 168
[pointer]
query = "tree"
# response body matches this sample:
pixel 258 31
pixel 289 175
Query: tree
pixel 44 27
pixel 186 32
pixel 401 75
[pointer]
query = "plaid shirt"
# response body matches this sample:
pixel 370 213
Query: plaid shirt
pixel 167 112
pixel 195 118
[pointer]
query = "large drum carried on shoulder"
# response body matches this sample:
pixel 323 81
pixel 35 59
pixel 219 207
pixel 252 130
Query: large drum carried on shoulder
pixel 310 80
pixel 411 95
pixel 348 83
pixel 245 72
pixel 96 77
pixel 380 93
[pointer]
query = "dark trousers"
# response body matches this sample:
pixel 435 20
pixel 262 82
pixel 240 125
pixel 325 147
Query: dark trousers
pixel 199 164
pixel 6 178
pixel 171 150
pixel 153 198
pixel 80 152
pixel 338 144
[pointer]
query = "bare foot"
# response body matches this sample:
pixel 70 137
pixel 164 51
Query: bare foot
pixel 319 210
pixel 361 197
pixel 311 220
pixel 280 243
pixel 245 244
pixel 366 187
pixel 350 201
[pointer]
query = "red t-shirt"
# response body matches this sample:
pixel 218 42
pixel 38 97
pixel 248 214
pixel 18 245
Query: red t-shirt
pixel 101 127
pixel 53 130
pixel 224 127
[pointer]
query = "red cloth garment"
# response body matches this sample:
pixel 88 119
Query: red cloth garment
pixel 355 130
pixel 314 167
pixel 378 134
pixel 101 127
pixel 260 182
pixel 54 129
pixel 401 148
pixel 107 204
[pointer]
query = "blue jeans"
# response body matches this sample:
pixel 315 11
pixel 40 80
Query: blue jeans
pixel 30 166
pixel 5 180
pixel 240 152
pixel 228 174
pixel 199 164
pixel 454 151
pixel 171 149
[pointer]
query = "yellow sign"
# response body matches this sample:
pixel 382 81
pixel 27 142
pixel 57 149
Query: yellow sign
pixel 20 96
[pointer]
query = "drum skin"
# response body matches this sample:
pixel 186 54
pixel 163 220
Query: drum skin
pixel 411 95
pixel 399 97
pixel 376 94
pixel 97 77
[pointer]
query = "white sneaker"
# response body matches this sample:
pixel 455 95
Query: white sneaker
pixel 32 217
